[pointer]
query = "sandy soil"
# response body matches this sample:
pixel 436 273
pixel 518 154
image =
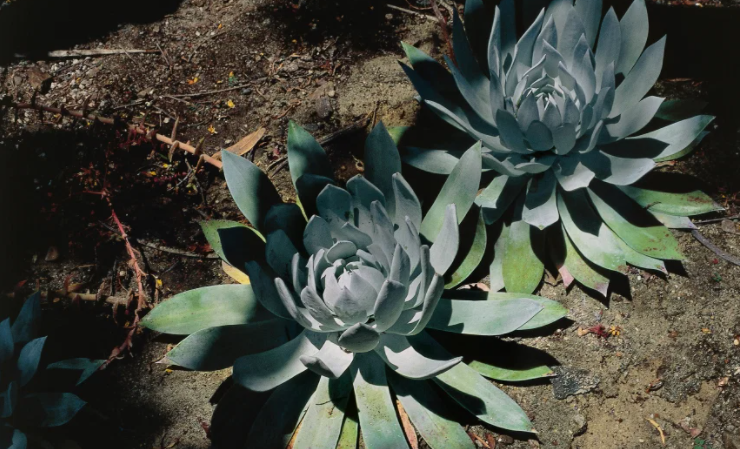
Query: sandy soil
pixel 674 365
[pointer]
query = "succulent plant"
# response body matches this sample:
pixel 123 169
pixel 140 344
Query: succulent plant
pixel 340 303
pixel 559 112
pixel 21 408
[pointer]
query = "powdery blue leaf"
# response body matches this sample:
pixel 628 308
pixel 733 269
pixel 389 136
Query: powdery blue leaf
pixel 511 375
pixel 440 162
pixel 279 416
pixel 590 13
pixel 406 202
pixel 459 189
pixel 572 174
pixel 211 232
pixel 633 224
pixel 389 304
pixel 471 256
pixel 288 218
pixel 217 348
pixel 634 28
pixel 28 360
pixel 571 33
pixel 9 400
pixel 522 268
pixel 240 245
pixel 640 79
pixel 483 317
pixel 539 136
pixel 48 409
pixel 331 361
pixel 425 409
pixel 673 221
pixel 680 109
pixel 279 250
pixel 317 235
pixel 25 326
pixel 511 135
pixel 466 62
pixel 415 357
pixel 677 136
pixel 305 155
pixel 6 340
pixel 678 204
pixel 382 161
pixel 359 338
pixel 551 312
pixel 480 397
pixel 263 285
pixel 266 370
pixel 634 118
pixel 205 307
pixel 572 266
pixel 540 206
pixel 322 424
pixel 251 189
pixel 446 243
pixel 378 422
pixel 86 367
pixel 617 170
pixel 498 196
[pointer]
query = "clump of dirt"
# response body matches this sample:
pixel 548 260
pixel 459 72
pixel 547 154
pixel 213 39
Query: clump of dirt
pixel 669 355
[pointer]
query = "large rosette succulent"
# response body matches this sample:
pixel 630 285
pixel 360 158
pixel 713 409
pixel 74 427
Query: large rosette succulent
pixel 338 307
pixel 559 113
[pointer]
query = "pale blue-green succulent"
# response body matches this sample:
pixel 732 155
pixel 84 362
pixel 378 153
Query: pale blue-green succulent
pixel 21 408
pixel 339 305
pixel 559 112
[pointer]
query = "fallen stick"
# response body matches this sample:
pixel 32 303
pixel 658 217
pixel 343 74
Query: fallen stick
pixel 95 52
pixel 716 250
pixel 413 13
pixel 209 92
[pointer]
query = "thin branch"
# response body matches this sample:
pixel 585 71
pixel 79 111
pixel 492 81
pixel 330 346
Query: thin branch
pixel 443 27
pixel 716 250
pixel 413 13
pixel 209 92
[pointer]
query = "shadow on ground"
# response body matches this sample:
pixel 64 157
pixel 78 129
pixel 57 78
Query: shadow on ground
pixel 34 27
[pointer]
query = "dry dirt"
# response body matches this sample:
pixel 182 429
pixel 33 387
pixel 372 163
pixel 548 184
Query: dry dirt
pixel 672 364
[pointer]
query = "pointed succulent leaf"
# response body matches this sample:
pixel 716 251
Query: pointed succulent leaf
pixel 446 243
pixel 378 422
pixel 551 312
pixel 9 400
pixel 48 409
pixel 678 204
pixel 251 189
pixel 241 245
pixel 572 266
pixel 406 203
pixel 6 340
pixel 425 407
pixel 279 416
pixel 28 360
pixel 459 189
pixel 279 251
pixel 522 267
pixel 263 287
pixel 382 161
pixel 634 28
pixel 480 397
pixel 680 109
pixel 322 425
pixel 205 307
pixel 511 375
pixel 470 257
pixel 640 79
pixel 25 326
pixel 417 357
pixel 673 221
pixel 633 224
pixel 217 348
pixel 266 370
pixel 540 206
pixel 211 230
pixel 305 155
pixel 86 367
pixel 483 317
pixel 389 304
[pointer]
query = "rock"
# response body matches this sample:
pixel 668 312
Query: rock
pixel 39 80
pixel 571 381
pixel 581 424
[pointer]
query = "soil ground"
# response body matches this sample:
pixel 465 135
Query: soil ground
pixel 673 358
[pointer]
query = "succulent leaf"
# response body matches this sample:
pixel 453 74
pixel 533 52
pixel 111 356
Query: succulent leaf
pixel 322 425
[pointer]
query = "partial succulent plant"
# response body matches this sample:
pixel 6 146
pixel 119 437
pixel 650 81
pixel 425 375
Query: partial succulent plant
pixel 338 307
pixel 558 112
pixel 21 408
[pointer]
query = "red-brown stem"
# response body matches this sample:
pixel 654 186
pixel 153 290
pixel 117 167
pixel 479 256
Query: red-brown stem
pixel 445 33
pixel 109 121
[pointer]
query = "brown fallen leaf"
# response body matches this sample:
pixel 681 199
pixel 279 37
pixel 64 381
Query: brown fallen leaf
pixel 408 429
pixel 52 254
pixel 245 145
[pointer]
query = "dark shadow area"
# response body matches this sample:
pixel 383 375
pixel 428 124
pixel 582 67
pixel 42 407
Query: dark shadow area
pixel 34 27
pixel 361 24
